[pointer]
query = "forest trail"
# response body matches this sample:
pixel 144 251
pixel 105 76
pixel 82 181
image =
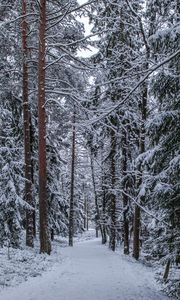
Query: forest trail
pixel 90 271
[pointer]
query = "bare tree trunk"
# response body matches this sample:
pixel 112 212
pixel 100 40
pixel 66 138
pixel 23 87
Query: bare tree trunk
pixel 71 208
pixel 45 244
pixel 87 220
pixel 32 174
pixel 97 232
pixel 112 241
pixel 136 231
pixel 87 216
pixel 104 234
pixel 95 197
pixel 104 202
pixel 137 213
pixel 27 141
pixel 85 211
pixel 125 198
pixel 167 269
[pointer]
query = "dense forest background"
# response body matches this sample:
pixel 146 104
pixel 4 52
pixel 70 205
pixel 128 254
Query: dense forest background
pixel 92 139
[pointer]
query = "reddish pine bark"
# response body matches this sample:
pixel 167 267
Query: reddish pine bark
pixel 27 140
pixel 45 245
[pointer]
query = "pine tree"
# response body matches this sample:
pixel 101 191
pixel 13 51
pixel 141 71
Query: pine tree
pixel 163 130
pixel 43 213
pixel 119 58
pixel 27 138
pixel 71 206
pixel 11 135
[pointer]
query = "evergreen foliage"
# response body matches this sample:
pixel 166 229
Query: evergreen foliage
pixel 126 176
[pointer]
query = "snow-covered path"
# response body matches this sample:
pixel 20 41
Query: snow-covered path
pixel 89 271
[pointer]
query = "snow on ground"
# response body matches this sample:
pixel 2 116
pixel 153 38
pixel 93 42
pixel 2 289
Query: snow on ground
pixel 89 271
pixel 17 265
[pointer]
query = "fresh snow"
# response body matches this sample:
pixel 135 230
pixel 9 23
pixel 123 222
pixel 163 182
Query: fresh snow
pixel 89 271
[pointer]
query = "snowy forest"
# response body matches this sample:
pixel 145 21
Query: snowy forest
pixel 90 136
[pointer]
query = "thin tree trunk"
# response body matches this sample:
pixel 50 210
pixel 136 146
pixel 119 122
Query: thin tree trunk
pixel 136 231
pixel 85 211
pixel 27 141
pixel 87 220
pixel 45 244
pixel 71 208
pixel 104 235
pixel 32 175
pixel 97 232
pixel 104 202
pixel 95 196
pixel 137 213
pixel 87 215
pixel 112 241
pixel 167 269
pixel 125 198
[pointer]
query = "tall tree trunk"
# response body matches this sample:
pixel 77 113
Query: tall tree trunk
pixel 85 211
pixel 104 201
pixel 98 225
pixel 112 241
pixel 27 141
pixel 136 231
pixel 86 214
pixel 144 102
pixel 125 197
pixel 32 174
pixel 104 234
pixel 71 208
pixel 87 220
pixel 137 213
pixel 45 245
pixel 167 269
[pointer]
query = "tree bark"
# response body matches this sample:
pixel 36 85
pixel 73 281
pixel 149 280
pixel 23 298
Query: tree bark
pixel 167 269
pixel 45 244
pixel 71 208
pixel 112 241
pixel 32 174
pixel 85 211
pixel 27 139
pixel 98 225
pixel 136 231
pixel 125 198
pixel 104 234
pixel 137 213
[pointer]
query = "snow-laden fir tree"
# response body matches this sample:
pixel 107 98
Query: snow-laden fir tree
pixel 162 159
pixel 119 58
